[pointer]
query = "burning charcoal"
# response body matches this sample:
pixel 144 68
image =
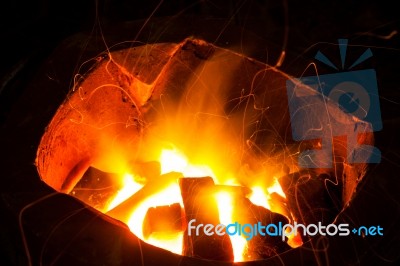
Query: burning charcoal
pixel 96 186
pixel 164 219
pixel 123 211
pixel 200 204
pixel 260 246
pixel 311 198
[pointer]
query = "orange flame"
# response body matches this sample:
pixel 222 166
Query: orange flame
pixel 172 160
pixel 259 197
pixel 173 241
pixel 129 188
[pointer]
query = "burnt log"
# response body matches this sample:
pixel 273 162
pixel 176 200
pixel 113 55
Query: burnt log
pixel 200 205
pixel 123 211
pixel 259 246
pixel 311 198
pixel 163 219
pixel 96 187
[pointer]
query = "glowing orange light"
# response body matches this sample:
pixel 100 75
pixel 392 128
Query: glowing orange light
pixel 129 188
pixel 225 208
pixel 295 240
pixel 175 161
pixel 172 160
pixel 259 197
pixel 276 187
pixel 171 242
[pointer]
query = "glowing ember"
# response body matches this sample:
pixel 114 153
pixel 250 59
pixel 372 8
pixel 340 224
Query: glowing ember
pixel 172 160
pixel 171 242
pixel 295 240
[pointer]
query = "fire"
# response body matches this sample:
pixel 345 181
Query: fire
pixel 210 109
pixel 170 195
pixel 129 187
pixel 172 160
pixel 225 208
pixel 171 242
pixel 259 197
pixel 175 161
pixel 262 197
pixel 276 187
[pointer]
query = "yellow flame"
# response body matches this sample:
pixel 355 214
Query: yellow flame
pixel 129 187
pixel 225 208
pixel 172 161
pixel 173 241
pixel 259 197
pixel 168 196
pixel 175 161
pixel 276 187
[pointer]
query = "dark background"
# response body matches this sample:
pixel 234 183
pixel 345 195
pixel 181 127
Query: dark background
pixel 31 30
pixel 35 33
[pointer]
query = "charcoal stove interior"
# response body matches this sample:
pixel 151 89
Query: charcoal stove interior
pixel 48 226
pixel 118 133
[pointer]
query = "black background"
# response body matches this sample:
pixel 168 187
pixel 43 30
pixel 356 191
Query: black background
pixel 31 31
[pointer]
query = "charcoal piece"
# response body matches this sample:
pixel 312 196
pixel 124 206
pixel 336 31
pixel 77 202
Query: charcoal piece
pixel 259 246
pixel 200 204
pixel 311 198
pixel 163 219
pixel 95 187
pixel 124 210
